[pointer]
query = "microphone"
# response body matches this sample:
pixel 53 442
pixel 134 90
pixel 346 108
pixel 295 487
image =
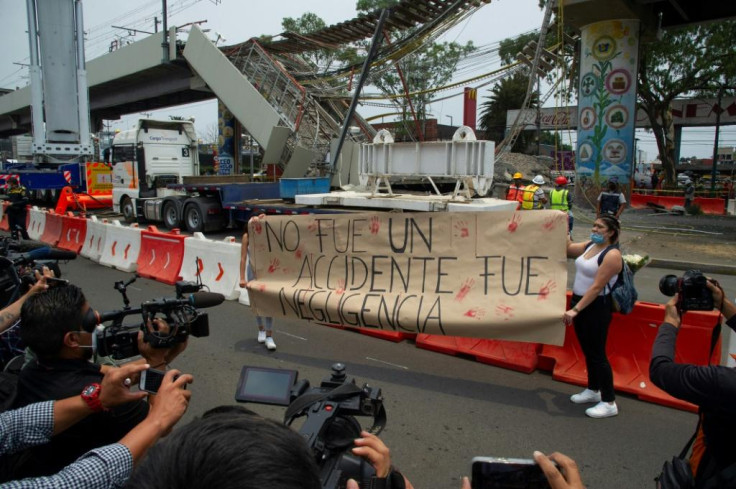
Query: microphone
pixel 202 300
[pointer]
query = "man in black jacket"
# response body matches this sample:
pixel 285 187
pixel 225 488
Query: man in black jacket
pixel 712 388
pixel 18 198
pixel 56 326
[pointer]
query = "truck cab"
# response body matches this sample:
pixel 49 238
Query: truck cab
pixel 148 158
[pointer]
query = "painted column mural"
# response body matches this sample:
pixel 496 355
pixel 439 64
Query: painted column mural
pixel 226 142
pixel 607 104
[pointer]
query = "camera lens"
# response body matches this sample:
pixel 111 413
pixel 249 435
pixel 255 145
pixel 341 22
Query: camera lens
pixel 668 285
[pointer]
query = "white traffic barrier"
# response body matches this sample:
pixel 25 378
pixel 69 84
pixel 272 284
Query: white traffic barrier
pixel 95 241
pixel 36 223
pixel 122 246
pixel 217 263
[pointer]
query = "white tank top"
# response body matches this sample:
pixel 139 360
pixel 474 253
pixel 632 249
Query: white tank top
pixel 585 271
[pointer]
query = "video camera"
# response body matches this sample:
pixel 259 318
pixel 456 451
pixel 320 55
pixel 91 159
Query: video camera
pixel 119 340
pixel 330 426
pixel 692 289
pixel 17 270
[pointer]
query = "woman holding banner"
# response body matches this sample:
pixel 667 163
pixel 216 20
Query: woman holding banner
pixel 597 265
pixel 265 324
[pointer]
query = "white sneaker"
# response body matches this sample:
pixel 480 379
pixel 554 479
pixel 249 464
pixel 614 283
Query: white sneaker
pixel 270 344
pixel 602 410
pixel 261 336
pixel 586 396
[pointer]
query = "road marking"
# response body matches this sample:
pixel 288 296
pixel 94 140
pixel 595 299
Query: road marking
pixel 293 336
pixel 387 363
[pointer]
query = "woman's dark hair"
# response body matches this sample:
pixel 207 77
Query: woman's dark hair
pixel 612 186
pixel 612 224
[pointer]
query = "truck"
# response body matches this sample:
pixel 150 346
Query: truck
pixel 156 179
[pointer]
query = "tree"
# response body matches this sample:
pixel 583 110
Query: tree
pixel 430 66
pixel 688 61
pixel 507 94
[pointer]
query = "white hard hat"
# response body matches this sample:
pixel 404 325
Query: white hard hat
pixel 538 180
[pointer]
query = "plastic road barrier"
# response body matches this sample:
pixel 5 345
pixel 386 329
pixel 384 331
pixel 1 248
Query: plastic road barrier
pixel 216 262
pixel 707 205
pixel 122 246
pixel 95 239
pixel 514 355
pixel 73 233
pixel 52 230
pixel 4 226
pixel 629 349
pixel 161 255
pixel 36 223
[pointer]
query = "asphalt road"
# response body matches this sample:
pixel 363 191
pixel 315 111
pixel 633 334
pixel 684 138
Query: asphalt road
pixel 442 410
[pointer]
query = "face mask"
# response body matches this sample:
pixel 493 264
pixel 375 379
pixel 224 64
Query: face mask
pixel 597 238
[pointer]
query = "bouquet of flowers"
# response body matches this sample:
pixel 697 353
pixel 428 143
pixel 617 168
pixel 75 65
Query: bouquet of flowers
pixel 636 262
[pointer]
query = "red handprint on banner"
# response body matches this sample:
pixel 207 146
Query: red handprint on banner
pixel 514 222
pixel 340 287
pixel 475 313
pixel 257 226
pixel 299 253
pixel 461 229
pixel 546 289
pixel 274 265
pixel 312 226
pixel 507 312
pixel 375 225
pixel 551 222
pixel 464 289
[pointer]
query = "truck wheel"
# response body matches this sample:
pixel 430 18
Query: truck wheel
pixel 171 215
pixel 126 207
pixel 194 218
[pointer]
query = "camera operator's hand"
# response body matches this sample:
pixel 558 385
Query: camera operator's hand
pixel 115 391
pixel 671 313
pixel 371 448
pixel 172 400
pixel 566 477
pixel 159 357
pixel 717 294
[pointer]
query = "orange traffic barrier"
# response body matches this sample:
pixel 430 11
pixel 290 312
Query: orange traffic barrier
pixel 161 255
pixel 52 230
pixel 73 233
pixel 69 200
pixel 4 226
pixel 383 334
pixel 513 355
pixel 707 205
pixel 629 349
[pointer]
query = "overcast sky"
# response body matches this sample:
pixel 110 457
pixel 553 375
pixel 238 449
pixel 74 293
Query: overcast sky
pixel 238 20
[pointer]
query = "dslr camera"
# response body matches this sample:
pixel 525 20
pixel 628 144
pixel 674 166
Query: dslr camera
pixel 692 289
pixel 330 426
pixel 120 340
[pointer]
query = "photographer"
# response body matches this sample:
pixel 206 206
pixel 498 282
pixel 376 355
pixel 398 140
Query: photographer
pixel 712 388
pixel 58 326
pixel 106 467
pixel 243 450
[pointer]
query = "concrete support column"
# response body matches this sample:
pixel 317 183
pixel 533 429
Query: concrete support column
pixel 606 106
pixel 228 141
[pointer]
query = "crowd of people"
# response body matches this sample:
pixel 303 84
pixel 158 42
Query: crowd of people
pixel 77 424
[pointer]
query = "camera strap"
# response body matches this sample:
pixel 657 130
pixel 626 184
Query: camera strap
pixel 345 390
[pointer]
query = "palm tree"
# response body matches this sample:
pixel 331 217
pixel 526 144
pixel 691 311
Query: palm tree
pixel 508 94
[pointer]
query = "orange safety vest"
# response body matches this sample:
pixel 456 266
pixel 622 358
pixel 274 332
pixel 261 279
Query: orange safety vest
pixel 527 202
pixel 515 193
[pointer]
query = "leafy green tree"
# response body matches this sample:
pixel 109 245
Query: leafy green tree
pixel 321 59
pixel 507 94
pixel 687 61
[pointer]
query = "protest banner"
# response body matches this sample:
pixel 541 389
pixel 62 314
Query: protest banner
pixel 498 275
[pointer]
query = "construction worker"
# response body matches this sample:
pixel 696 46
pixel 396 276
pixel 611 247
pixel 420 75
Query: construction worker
pixel 560 199
pixel 533 195
pixel 18 198
pixel 516 190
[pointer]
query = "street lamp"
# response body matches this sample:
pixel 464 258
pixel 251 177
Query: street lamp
pixel 451 124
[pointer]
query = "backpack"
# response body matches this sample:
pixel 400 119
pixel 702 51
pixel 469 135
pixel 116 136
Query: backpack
pixel 623 293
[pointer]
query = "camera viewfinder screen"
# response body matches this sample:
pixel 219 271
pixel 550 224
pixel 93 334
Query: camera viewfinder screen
pixel 265 385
